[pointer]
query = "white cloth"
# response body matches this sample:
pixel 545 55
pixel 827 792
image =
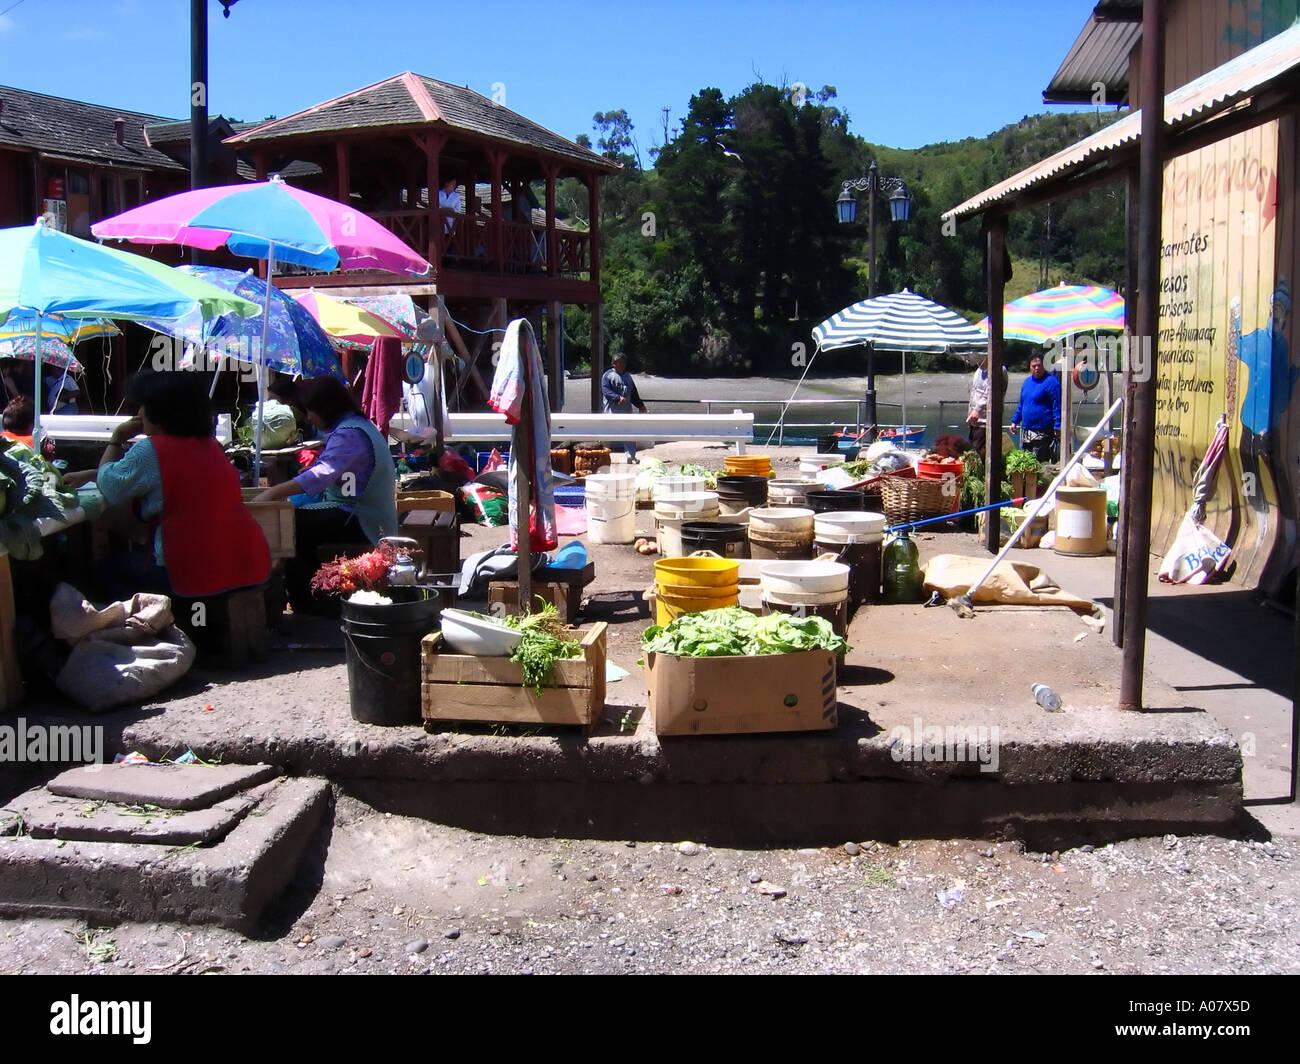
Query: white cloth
pixel 519 368
pixel 453 201
pixel 981 389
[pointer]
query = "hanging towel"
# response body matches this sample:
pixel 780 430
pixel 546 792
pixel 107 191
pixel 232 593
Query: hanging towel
pixel 520 367
pixel 381 396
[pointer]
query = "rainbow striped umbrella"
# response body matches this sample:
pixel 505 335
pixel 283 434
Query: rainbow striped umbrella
pixel 1062 311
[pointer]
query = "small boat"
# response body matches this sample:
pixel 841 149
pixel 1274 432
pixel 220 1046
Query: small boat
pixel 899 435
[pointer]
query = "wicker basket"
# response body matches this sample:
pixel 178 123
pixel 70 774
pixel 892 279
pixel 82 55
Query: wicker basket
pixel 913 500
pixel 586 462
pixel 562 460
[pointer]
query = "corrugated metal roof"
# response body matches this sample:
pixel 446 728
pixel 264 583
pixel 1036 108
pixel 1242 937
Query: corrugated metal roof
pixel 1212 92
pixel 1099 56
pixel 413 99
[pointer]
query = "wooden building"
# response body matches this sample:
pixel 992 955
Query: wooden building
pixel 505 252
pixel 1228 257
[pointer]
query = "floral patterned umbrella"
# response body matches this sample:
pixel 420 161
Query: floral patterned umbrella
pixel 295 343
pixel 54 352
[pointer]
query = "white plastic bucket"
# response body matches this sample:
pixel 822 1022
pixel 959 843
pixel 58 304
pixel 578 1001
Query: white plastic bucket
pixel 677 484
pixel 850 523
pixel 784 519
pixel 611 485
pixel 611 520
pixel 804 578
pixel 812 464
pixel 810 598
pixel 668 531
pixel 673 504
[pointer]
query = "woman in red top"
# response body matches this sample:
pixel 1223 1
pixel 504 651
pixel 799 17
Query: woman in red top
pixel 206 541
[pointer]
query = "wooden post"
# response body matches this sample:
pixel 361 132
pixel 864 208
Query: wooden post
pixel 554 352
pixel 1126 383
pixel 1143 414
pixel 497 238
pixel 996 283
pixel 552 243
pixel 432 145
pixel 597 355
pixel 341 162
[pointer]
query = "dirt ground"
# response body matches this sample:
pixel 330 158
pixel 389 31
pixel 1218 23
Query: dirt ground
pixel 386 893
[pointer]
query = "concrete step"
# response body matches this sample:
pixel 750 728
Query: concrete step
pixel 227 883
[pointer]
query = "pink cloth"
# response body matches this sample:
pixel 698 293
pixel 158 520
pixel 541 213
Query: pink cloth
pixel 381 395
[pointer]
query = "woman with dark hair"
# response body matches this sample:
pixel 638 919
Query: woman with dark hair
pixel 206 542
pixel 349 495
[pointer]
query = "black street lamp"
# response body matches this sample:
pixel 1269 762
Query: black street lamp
pixel 900 209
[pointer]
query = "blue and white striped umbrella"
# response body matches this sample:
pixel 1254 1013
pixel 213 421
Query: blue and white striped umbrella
pixel 903 321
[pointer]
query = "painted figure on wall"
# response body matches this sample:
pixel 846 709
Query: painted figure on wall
pixel 1266 355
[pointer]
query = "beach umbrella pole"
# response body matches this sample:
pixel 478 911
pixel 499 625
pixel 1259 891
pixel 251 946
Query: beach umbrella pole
pixel 260 363
pixel 36 399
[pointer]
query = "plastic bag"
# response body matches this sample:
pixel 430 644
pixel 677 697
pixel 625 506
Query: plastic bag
pixel 1196 555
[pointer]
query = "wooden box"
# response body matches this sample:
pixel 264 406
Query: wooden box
pixel 506 592
pixel 275 520
pixel 425 500
pixel 466 688
pixel 739 695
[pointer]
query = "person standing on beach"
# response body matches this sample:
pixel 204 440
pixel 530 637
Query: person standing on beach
pixel 1039 411
pixel 977 415
pixel 619 390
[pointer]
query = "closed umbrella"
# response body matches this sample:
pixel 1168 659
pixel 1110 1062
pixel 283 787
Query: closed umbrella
pixel 267 220
pixel 44 271
pixel 902 321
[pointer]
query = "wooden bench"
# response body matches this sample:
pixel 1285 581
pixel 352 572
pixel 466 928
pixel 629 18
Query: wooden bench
pixel 229 629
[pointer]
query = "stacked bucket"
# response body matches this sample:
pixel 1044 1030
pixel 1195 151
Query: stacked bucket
pixel 692 585
pixel 611 507
pixel 808 589
pixel 740 493
pixel 684 500
pixel 780 533
pixel 788 492
pixel 855 538
pixel 748 465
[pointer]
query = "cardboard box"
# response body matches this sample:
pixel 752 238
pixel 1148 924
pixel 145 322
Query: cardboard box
pixel 463 687
pixel 425 500
pixel 738 695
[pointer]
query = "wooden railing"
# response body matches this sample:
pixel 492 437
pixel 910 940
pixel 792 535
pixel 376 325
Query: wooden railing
pixel 472 243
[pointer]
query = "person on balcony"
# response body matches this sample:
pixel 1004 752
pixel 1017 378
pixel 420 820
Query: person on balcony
pixel 450 204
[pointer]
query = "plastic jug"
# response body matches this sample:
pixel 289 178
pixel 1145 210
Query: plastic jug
pixel 901 571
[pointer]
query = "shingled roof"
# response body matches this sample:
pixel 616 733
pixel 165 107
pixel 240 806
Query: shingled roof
pixel 410 99
pixel 76 131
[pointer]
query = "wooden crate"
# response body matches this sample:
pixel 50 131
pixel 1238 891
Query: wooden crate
pixel 506 592
pixel 275 520
pixel 425 500
pixel 462 687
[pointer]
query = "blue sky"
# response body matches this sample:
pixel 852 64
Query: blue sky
pixel 907 73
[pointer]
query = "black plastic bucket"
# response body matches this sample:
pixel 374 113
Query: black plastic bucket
pixel 725 538
pixel 828 444
pixel 382 644
pixel 821 502
pixel 742 492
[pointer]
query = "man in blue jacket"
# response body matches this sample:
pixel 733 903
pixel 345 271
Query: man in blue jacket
pixel 1039 412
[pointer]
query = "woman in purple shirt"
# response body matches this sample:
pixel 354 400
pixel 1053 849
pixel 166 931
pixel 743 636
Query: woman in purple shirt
pixel 349 495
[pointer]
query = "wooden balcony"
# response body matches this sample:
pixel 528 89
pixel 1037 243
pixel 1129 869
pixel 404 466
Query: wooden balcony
pixel 491 246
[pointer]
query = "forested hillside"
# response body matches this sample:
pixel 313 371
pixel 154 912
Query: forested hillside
pixel 726 252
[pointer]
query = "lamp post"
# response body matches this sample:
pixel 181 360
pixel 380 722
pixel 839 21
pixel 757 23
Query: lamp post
pixel 900 209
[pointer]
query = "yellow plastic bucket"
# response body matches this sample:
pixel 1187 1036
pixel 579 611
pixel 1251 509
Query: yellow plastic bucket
pixel 669 607
pixel 697 572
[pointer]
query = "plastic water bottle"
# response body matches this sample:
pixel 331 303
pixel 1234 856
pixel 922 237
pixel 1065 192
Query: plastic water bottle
pixel 1046 697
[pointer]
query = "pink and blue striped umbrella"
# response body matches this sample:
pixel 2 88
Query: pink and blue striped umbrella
pixel 1062 311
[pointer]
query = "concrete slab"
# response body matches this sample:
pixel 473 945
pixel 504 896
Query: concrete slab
pixel 166 786
pixel 228 884
pixel 51 816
